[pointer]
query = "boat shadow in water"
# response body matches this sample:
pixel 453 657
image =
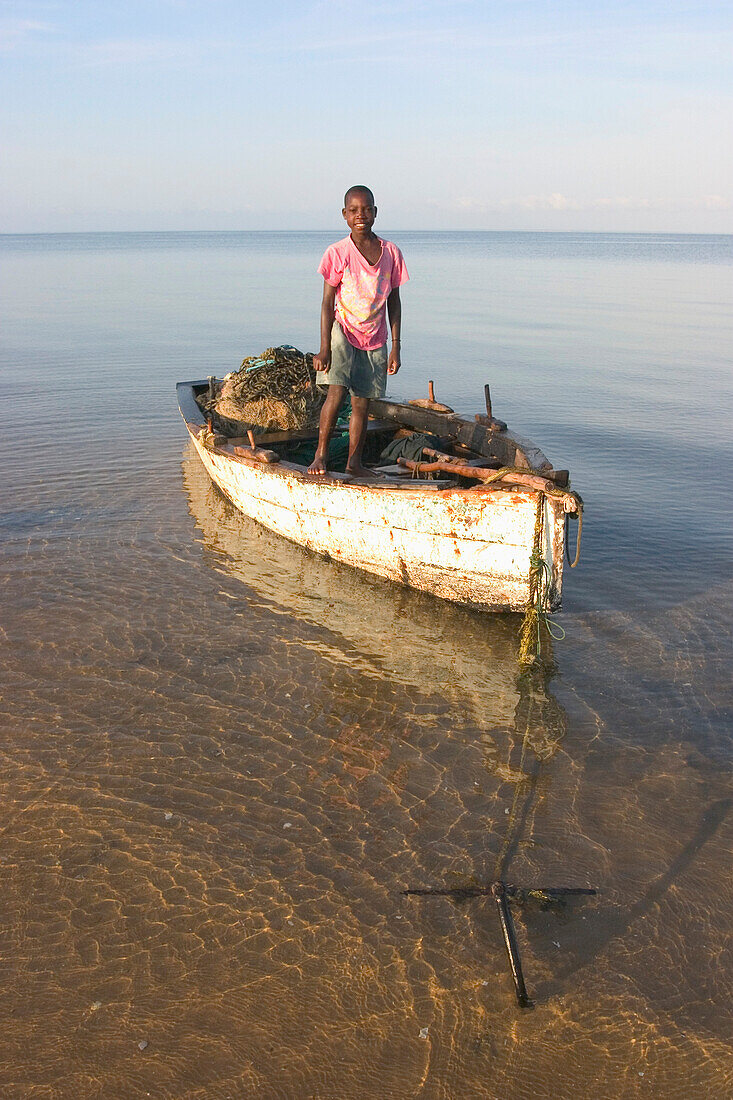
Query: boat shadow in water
pixel 613 925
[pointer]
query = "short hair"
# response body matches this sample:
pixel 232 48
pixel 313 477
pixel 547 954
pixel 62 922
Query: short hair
pixel 359 187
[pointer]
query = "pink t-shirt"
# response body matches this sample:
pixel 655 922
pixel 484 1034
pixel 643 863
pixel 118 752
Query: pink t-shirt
pixel 363 289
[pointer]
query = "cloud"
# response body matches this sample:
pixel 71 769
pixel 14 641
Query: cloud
pixel 558 202
pixel 555 201
pixel 133 51
pixel 15 32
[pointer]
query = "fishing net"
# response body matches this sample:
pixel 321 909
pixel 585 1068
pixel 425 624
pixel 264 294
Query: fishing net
pixel 274 391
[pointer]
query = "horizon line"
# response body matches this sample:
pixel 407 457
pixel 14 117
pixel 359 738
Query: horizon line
pixel 527 232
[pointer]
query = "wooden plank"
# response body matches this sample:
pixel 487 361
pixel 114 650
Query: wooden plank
pixel 528 455
pixel 422 420
pixel 293 436
pixel 412 483
pixel 393 469
pixel 257 454
pixel 490 422
pixel 312 433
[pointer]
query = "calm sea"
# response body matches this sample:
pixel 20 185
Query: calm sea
pixel 223 759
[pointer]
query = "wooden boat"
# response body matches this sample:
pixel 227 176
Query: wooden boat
pixel 463 525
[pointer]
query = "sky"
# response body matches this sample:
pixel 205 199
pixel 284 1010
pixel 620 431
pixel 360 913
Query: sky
pixel 555 115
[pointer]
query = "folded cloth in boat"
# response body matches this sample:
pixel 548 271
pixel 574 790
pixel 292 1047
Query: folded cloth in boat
pixel 409 446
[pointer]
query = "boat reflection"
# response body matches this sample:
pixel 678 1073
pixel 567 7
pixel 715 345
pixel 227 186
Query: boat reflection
pixel 468 658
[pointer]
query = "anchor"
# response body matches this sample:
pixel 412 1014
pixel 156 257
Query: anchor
pixel 532 684
pixel 501 892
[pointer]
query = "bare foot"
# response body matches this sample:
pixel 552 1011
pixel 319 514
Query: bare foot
pixel 360 471
pixel 318 465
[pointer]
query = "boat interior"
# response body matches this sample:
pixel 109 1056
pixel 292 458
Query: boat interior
pixel 420 444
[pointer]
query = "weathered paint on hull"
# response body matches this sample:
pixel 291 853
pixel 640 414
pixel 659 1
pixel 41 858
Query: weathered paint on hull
pixel 469 546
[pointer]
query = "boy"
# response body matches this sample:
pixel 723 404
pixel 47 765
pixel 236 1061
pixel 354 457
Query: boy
pixel 361 273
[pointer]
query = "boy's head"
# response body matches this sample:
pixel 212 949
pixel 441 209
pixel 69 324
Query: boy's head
pixel 358 189
pixel 359 209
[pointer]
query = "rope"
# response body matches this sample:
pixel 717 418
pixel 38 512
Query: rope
pixel 579 514
pixel 417 472
pixel 519 790
pixel 540 582
pixel 540 722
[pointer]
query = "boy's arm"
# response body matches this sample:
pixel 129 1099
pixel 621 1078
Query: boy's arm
pixel 322 361
pixel 394 312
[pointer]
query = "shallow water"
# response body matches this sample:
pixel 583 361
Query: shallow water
pixel 223 759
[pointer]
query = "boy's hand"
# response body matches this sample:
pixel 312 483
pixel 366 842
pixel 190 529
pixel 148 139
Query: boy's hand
pixel 322 361
pixel 393 363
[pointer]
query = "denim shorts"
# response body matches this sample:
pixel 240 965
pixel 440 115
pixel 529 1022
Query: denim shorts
pixel 364 373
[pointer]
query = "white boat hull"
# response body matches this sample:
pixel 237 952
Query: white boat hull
pixel 469 546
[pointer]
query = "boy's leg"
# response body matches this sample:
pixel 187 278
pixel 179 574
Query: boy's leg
pixel 357 434
pixel 329 415
pixel 368 380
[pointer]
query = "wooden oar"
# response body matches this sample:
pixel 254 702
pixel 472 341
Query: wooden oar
pixel 481 463
pixel 501 478
pixel 478 473
pixel 429 402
